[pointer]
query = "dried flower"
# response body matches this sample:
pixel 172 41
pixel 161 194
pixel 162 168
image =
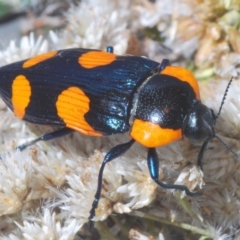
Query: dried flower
pixel 140 187
pixel 191 176
pixel 28 47
pixel 215 24
pixel 96 24
pixel 15 177
pixel 48 226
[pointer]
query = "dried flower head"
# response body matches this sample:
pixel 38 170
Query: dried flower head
pixel 96 24
pixel 139 187
pixel 47 226
pixel 27 48
pixel 215 25
pixel 209 30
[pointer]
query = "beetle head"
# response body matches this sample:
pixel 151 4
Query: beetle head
pixel 199 123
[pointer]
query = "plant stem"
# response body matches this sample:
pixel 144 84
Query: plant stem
pixel 176 224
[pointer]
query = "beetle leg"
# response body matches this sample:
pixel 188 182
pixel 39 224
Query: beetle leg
pixel 164 64
pixel 110 49
pixel 153 166
pixel 111 155
pixel 49 136
pixel 201 152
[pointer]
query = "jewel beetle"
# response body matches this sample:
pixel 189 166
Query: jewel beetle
pixel 99 93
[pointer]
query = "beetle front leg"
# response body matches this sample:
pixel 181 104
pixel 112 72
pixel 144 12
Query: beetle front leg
pixel 153 166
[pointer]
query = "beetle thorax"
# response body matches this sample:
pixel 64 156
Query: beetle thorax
pixel 161 105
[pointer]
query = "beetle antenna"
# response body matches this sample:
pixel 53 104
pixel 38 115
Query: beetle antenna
pixel 230 149
pixel 224 97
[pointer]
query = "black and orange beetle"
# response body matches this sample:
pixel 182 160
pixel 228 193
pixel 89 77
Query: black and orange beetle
pixel 98 93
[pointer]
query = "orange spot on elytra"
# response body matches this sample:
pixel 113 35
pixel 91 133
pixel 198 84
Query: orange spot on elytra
pixel 21 93
pixel 183 75
pixel 40 58
pixel 94 59
pixel 152 135
pixel 72 104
